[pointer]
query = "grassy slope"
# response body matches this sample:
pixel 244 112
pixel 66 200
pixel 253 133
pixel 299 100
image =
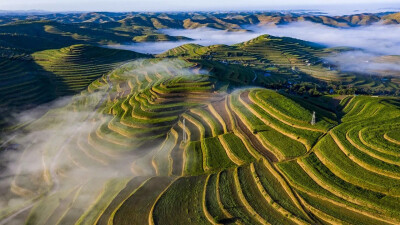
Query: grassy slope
pixel 279 59
pixel 77 66
pixel 282 171
pixel 27 80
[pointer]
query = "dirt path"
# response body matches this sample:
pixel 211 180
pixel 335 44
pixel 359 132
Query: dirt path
pixel 253 140
pixel 219 107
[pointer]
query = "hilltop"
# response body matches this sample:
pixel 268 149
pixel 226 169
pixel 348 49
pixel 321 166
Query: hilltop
pixel 282 62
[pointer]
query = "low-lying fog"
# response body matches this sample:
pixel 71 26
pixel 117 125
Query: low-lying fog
pixel 377 38
pixel 201 36
pixel 57 154
pixel 369 42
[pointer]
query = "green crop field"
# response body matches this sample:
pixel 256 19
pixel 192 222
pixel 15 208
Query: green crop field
pixel 258 132
pixel 277 60
pixel 250 156
pixel 77 66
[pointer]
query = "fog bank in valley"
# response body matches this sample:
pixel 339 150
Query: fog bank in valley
pixel 369 42
pixel 63 150
pixel 201 36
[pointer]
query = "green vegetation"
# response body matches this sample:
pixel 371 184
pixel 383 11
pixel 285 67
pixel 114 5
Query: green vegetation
pixel 186 196
pixel 75 67
pixel 214 155
pixel 182 138
pixel 289 64
pixel 23 84
pixel 251 156
pixel 158 37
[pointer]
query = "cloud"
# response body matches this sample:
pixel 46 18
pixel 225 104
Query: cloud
pixel 201 36
pixel 363 62
pixel 377 38
pixel 370 44
pixel 149 47
pixel 209 36
pixel 36 154
pixel 54 155
pixel 176 67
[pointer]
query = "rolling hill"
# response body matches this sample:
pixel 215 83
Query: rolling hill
pixel 76 66
pixel 278 60
pixel 266 131
pixel 29 80
pixel 189 152
pixel 218 20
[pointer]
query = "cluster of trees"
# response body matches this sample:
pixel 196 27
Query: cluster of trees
pixel 315 89
pixel 9 54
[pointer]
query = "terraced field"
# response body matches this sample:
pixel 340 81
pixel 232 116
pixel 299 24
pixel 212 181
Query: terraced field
pixel 276 60
pixel 22 84
pixel 174 147
pixel 28 80
pixel 75 67
pixel 281 58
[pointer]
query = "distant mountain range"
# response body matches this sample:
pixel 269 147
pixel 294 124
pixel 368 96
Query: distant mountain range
pixel 190 20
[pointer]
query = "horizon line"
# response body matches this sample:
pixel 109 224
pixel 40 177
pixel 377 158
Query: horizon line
pixel 267 8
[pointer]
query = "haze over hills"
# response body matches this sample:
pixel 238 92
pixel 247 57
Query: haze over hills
pixel 222 118
pixel 219 20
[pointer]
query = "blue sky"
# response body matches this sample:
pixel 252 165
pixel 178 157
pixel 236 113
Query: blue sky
pixel 180 5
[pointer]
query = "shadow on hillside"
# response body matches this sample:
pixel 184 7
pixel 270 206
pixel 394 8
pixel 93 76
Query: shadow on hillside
pixel 228 220
pixel 26 88
pixel 326 108
pixel 392 102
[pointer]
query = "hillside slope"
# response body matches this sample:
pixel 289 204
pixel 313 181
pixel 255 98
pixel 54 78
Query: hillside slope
pixel 284 63
pixel 75 67
pixel 188 152
pixel 27 81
